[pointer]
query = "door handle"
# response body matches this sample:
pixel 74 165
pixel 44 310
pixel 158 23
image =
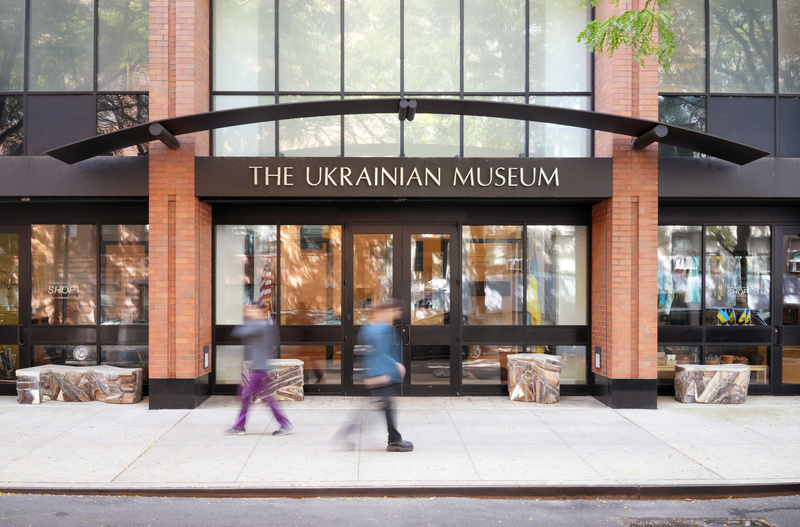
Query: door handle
pixel 407 333
pixel 779 335
pixel 396 338
pixel 20 329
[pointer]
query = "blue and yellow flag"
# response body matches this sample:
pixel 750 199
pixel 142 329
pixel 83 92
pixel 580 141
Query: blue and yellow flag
pixel 534 302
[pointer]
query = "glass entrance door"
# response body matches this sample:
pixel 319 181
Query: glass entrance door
pixel 787 322
pixel 13 314
pixel 415 265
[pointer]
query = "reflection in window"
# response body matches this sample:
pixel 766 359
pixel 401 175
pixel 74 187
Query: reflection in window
pixel 688 72
pixel 123 45
pixel 372 273
pixel 556 281
pixel 494 46
pixel 737 280
pixel 244 45
pixel 680 271
pixel 61 41
pixel 127 357
pixel 431 38
pixel 486 364
pixel 791 280
pixel 64 268
pixel 311 274
pixel 553 140
pixel 10 125
pixel 493 137
pixel 687 112
pixel 321 364
pixel 669 356
pixel 310 136
pixel 753 355
pixel 741 46
pixel 124 279
pixel 12 42
pixel 788 43
pixel 573 361
pixel 558 62
pixel 115 112
pixel 430 279
pixel 493 275
pixel 246 270
pixel 372 46
pixel 371 135
pixel 257 139
pixel 310 45
pixel 228 364
pixel 67 354
pixel 9 279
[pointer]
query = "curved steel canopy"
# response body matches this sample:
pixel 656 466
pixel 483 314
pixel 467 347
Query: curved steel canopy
pixel 644 130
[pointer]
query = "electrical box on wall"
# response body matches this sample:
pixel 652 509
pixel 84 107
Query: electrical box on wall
pixel 597 361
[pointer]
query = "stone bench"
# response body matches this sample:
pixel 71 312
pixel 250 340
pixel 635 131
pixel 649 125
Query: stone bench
pixel 703 383
pixel 534 377
pixel 57 382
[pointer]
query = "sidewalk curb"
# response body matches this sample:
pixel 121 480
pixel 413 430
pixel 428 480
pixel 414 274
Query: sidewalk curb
pixel 622 492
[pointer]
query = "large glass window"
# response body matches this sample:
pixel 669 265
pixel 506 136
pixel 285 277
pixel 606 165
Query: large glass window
pixel 310 45
pixel 64 274
pixel 688 72
pixel 246 270
pixel 244 45
pixel 12 40
pixel 372 45
pixel 493 275
pixel 122 45
pixel 680 269
pixel 115 112
pixel 124 276
pixel 432 34
pixel 558 62
pixel 11 125
pixel 788 44
pixel 494 46
pixel 486 364
pixel 556 275
pixel 61 41
pixel 741 46
pixel 737 275
pixel 311 274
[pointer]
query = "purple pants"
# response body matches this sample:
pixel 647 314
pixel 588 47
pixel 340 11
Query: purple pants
pixel 258 384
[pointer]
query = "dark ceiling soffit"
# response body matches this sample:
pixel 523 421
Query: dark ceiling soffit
pixel 710 145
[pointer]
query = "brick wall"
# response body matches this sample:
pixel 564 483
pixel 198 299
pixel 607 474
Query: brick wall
pixel 180 225
pixel 625 227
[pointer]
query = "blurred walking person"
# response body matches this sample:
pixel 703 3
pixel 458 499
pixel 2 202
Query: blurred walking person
pixel 262 341
pixel 383 371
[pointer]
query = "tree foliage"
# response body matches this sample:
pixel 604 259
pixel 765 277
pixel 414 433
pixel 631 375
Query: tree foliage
pixel 633 29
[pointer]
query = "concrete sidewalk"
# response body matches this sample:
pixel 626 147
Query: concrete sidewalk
pixel 463 446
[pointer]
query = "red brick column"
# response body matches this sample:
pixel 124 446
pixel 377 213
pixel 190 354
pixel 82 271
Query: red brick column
pixel 180 225
pixel 625 230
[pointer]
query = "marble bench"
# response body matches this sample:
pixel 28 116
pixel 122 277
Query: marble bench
pixel 57 382
pixel 702 383
pixel 284 377
pixel 534 377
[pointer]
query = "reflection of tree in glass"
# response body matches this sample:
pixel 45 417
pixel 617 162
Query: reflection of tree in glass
pixel 122 46
pixel 115 112
pixel 741 46
pixel 789 45
pixel 685 111
pixel 10 125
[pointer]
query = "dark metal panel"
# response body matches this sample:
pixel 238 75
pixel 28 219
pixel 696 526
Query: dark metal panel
pixel 100 177
pixel 53 120
pixel 74 212
pixel 557 334
pixel 326 334
pixel 736 334
pixel 492 334
pixel 123 334
pixel 750 119
pixel 436 178
pixel 789 127
pixel 62 334
pixel 773 178
pixel 672 334
pixel 676 136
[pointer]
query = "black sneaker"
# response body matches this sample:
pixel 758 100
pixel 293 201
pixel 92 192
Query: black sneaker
pixel 400 446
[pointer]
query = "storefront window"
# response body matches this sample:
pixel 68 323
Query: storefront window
pixel 321 364
pixel 373 272
pixel 228 364
pixel 64 274
pixel 124 280
pixel 669 356
pixel 679 275
pixel 573 361
pixel 126 357
pixel 753 355
pixel 737 275
pixel 791 280
pixel 430 279
pixel 486 364
pixel 311 274
pixel 246 270
pixel 556 283
pixel 493 275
